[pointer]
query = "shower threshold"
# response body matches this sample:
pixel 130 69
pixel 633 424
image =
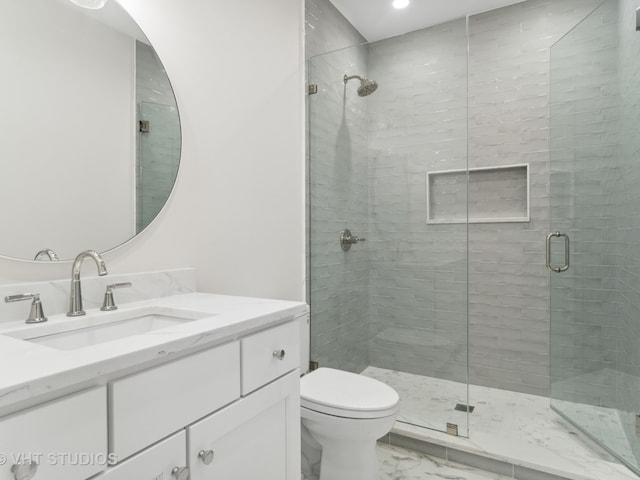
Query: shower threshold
pixel 513 434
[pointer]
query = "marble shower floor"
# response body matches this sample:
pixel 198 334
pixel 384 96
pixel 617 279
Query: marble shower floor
pixel 614 427
pixel 507 426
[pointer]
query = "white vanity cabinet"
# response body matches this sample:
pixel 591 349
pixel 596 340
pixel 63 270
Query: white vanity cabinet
pixel 210 399
pixel 229 412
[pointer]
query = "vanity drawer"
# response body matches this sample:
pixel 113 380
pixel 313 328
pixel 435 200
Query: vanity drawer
pixel 67 437
pixel 260 361
pixel 156 462
pixel 153 404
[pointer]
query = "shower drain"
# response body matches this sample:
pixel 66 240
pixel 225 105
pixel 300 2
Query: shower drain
pixel 461 407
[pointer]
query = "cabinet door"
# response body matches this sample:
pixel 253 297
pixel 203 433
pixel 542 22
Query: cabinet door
pixel 257 437
pixel 66 438
pixel 156 462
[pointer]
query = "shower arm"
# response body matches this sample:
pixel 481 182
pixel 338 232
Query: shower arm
pixel 347 78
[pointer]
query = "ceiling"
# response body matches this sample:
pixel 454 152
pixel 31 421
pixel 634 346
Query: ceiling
pixel 377 19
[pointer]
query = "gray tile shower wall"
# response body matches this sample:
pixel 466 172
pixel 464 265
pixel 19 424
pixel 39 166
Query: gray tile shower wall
pixel 326 30
pixel 402 298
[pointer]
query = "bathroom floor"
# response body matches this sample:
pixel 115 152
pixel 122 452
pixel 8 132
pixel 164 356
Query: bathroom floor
pixel 508 426
pixel 399 464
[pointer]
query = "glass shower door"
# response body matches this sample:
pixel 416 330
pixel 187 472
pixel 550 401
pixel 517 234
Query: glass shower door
pixel 594 241
pixel 391 166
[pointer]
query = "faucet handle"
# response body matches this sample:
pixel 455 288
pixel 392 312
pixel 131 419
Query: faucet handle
pixel 109 304
pixel 36 314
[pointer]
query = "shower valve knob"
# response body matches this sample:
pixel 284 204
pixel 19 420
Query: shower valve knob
pixel 347 239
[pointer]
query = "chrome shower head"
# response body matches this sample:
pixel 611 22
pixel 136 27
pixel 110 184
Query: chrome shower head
pixel 367 87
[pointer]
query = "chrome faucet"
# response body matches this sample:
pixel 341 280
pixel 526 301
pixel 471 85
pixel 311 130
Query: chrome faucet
pixel 75 304
pixel 49 253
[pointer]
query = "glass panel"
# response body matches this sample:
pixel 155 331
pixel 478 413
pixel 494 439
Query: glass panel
pixel 339 199
pixel 595 199
pixel 395 306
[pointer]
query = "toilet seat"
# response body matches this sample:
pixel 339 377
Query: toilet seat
pixel 349 395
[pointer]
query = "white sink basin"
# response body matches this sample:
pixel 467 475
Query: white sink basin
pixel 93 329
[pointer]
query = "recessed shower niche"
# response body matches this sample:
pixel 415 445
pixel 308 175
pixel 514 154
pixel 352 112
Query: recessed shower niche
pixel 495 194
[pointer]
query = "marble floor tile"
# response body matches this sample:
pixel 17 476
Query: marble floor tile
pixel 508 426
pixel 399 464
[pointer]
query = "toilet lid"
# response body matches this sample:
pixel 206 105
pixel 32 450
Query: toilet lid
pixel 346 394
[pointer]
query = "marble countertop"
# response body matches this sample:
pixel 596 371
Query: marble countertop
pixel 29 370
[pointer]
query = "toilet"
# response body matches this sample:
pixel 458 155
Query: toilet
pixel 343 414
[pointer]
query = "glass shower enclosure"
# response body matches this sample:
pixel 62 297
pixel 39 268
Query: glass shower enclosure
pixel 390 167
pixel 594 244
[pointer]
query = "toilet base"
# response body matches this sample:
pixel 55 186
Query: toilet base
pixel 359 462
pixel 336 448
pixel 311 455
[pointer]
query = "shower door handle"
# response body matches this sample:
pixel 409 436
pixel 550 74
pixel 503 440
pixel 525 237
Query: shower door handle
pixel 565 267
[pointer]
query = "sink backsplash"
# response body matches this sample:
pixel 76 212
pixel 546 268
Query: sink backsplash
pixel 55 294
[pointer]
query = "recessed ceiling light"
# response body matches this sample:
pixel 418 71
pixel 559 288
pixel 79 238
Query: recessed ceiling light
pixel 92 4
pixel 400 3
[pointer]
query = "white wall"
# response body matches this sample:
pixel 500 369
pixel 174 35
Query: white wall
pixel 237 213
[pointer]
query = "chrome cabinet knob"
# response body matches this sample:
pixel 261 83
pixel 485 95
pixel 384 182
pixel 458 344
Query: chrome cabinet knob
pixel 180 473
pixel 279 354
pixel 25 470
pixel 206 456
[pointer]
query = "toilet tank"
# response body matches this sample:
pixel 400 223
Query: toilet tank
pixel 305 340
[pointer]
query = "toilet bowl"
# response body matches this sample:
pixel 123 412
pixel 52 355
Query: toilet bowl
pixel 343 415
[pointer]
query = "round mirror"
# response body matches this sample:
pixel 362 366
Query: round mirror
pixel 89 131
